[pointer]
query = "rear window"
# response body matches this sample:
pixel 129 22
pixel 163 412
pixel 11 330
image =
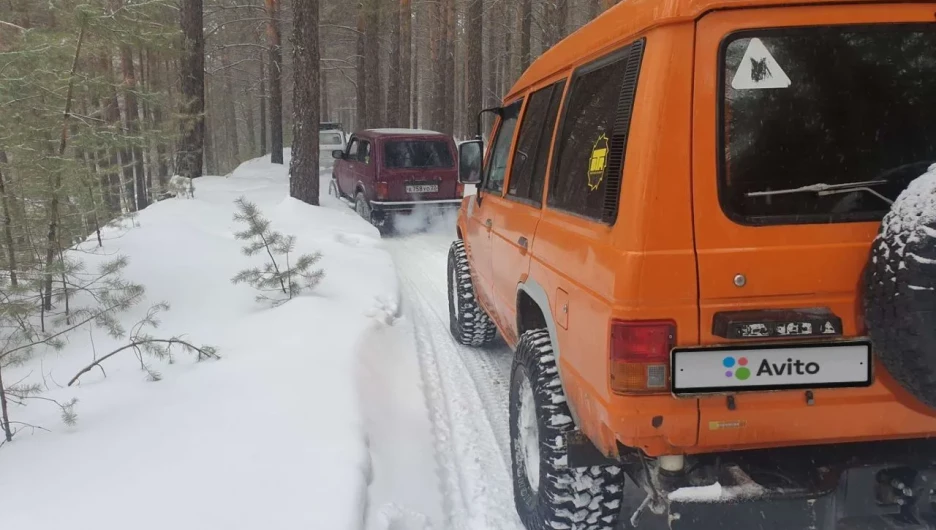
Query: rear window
pixel 413 154
pixel 849 107
pixel 330 139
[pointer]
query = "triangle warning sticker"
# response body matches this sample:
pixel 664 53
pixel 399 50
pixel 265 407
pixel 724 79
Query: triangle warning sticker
pixel 759 70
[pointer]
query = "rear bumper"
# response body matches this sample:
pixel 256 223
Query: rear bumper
pixel 409 206
pixel 866 486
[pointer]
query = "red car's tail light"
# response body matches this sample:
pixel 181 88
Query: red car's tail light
pixel 640 354
pixel 382 189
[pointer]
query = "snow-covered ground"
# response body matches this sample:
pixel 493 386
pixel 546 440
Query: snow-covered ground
pixel 350 407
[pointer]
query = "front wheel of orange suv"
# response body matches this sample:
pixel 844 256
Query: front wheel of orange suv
pixel 547 492
pixel 468 322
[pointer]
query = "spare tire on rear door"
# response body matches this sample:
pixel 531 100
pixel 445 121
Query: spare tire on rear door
pixel 900 290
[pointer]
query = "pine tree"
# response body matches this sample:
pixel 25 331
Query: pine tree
pixel 281 278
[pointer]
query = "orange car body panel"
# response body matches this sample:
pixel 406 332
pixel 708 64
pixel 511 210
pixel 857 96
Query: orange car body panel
pixel 673 252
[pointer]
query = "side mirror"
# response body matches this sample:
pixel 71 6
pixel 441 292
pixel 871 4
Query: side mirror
pixel 338 154
pixel 470 155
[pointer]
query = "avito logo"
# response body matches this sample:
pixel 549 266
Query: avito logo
pixel 738 368
pixel 790 367
pixel 742 372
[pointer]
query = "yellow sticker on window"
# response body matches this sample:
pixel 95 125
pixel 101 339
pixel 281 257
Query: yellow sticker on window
pixel 597 162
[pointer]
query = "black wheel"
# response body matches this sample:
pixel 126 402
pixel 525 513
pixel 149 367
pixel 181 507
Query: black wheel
pixel 899 285
pixel 362 207
pixel 469 324
pixel 333 189
pixel 548 494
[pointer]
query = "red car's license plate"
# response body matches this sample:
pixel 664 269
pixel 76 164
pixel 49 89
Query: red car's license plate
pixel 423 188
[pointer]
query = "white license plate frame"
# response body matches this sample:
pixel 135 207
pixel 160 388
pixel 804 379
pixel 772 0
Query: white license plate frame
pixel 840 364
pixel 422 188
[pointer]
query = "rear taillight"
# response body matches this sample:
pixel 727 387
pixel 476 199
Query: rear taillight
pixel 640 356
pixel 459 190
pixel 382 189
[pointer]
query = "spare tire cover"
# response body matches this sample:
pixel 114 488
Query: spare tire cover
pixel 900 289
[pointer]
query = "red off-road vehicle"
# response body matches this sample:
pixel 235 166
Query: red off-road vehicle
pixel 384 172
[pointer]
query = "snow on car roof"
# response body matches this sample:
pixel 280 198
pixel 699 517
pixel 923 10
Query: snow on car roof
pixel 405 131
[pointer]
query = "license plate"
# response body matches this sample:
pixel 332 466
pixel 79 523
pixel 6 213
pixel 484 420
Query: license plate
pixel 771 367
pixel 422 188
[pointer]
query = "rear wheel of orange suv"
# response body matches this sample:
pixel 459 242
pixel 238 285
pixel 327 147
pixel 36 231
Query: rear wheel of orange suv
pixel 547 492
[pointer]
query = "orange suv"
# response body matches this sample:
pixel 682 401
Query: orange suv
pixel 678 226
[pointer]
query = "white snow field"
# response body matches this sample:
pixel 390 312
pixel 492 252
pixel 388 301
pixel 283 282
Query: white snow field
pixel 350 407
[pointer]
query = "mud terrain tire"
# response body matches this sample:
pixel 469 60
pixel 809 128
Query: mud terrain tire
pixel 573 498
pixel 900 290
pixel 469 324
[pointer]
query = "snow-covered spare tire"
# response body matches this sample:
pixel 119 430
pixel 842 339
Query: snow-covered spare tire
pixel 900 289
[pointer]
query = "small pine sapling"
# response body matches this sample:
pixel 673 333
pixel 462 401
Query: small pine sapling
pixel 277 281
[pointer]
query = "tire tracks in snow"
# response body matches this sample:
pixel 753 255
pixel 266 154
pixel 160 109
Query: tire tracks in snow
pixel 466 394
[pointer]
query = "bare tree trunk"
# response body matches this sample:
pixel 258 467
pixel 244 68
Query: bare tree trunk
pixel 395 78
pixel 276 81
pixel 263 108
pixel 192 124
pixel 304 166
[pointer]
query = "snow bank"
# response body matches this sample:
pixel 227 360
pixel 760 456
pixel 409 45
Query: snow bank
pixel 270 436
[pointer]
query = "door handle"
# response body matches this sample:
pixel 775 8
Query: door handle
pixel 488 223
pixel 524 244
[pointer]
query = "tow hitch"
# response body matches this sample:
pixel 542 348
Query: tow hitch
pixel 877 486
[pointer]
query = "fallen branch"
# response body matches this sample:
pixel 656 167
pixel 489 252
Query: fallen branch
pixel 203 353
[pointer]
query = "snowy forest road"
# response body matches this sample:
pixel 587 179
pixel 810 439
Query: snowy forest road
pixel 465 390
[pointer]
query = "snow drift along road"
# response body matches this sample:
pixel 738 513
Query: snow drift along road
pixel 270 436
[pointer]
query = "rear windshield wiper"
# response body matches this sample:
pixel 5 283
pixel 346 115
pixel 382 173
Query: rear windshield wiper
pixel 822 189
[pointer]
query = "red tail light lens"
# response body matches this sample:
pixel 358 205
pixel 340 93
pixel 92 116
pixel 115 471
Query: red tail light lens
pixel 640 354
pixel 382 189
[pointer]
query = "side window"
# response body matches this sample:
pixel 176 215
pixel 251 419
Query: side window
pixel 353 149
pixel 364 154
pixel 528 171
pixel 587 143
pixel 500 149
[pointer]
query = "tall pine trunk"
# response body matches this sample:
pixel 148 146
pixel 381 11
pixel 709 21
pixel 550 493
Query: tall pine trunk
pixel 361 85
pixel 393 83
pixel 526 22
pixel 276 81
pixel 304 166
pixel 7 224
pixel 406 62
pixel 229 111
pixel 448 72
pixel 474 67
pixel 372 62
pixel 133 126
pixel 110 160
pixel 191 151
pixel 263 107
